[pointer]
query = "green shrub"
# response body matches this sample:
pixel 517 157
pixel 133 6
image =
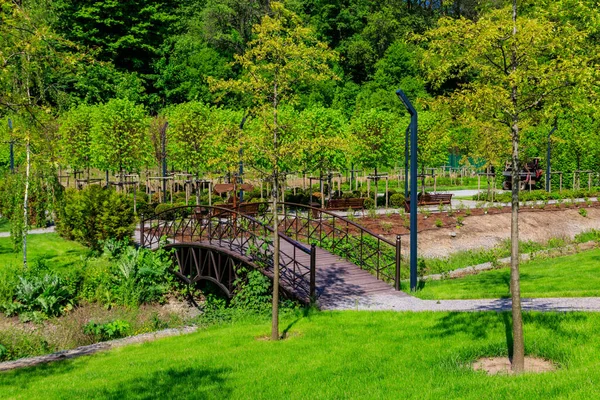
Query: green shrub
pixel 40 293
pixel 141 276
pixel 369 203
pixel 397 200
pixel 107 331
pixel 253 291
pixel 438 223
pixel 95 214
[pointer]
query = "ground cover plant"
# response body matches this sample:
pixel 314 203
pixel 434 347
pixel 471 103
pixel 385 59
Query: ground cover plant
pixel 332 355
pixel 568 276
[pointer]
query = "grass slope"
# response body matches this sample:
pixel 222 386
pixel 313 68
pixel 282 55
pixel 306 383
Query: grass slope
pixel 575 275
pixel 332 355
pixel 55 251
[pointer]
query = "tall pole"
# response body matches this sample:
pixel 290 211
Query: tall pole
pixel 163 139
pixel 241 167
pixel 12 151
pixel 413 187
pixel 406 153
pixel 548 154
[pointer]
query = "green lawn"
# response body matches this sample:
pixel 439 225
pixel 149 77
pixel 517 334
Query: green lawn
pixel 362 355
pixel 57 252
pixel 576 275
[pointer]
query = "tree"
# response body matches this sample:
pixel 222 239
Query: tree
pixel 119 136
pixel 283 55
pixel 513 71
pixel 75 136
pixel 323 141
pixel 376 136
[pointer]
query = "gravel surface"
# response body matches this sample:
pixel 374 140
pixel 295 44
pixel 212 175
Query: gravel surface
pixel 37 231
pixel 409 303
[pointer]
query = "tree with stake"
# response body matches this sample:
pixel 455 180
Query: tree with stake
pixel 283 55
pixel 513 71
pixel 75 136
pixel 376 136
pixel 119 137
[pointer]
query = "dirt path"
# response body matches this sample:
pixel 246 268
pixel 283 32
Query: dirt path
pixel 486 231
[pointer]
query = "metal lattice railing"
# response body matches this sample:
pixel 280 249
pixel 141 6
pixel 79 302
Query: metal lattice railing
pixel 245 235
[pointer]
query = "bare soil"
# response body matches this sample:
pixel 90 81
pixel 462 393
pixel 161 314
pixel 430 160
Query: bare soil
pixel 501 365
pixel 486 228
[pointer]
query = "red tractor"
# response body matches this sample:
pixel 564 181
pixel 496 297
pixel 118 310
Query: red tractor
pixel 530 175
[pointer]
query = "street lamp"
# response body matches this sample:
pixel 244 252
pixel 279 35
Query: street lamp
pixel 413 186
pixel 548 159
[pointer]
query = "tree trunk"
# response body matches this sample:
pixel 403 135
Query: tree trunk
pixel 275 311
pixel 25 208
pixel 518 352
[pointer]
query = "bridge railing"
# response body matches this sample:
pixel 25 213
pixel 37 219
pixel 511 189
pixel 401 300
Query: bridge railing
pixel 242 234
pixel 341 236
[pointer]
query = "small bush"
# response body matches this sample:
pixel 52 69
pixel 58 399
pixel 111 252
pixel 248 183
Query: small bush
pixel 397 200
pixel 583 212
pixel 369 203
pixel 108 331
pixel 439 223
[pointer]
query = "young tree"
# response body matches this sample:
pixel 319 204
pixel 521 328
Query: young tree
pixel 376 139
pixel 512 72
pixel 283 54
pixel 323 140
pixel 119 136
pixel 75 137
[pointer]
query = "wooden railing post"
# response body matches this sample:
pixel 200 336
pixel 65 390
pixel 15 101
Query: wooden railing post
pixel 398 260
pixel 142 230
pixel 313 273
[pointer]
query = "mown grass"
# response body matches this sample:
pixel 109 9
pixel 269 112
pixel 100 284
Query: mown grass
pixel 57 252
pixel 332 355
pixel 576 275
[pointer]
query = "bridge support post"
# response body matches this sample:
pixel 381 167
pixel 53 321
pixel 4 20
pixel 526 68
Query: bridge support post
pixel 313 273
pixel 398 260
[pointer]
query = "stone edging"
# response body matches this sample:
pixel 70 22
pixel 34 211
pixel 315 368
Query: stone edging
pixel 94 348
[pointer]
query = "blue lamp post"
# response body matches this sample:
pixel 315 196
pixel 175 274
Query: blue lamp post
pixel 413 186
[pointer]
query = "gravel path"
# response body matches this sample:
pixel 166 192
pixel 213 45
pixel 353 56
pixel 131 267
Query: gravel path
pixel 37 231
pixel 409 303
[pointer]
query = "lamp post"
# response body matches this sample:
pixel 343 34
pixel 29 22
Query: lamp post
pixel 163 140
pixel 12 151
pixel 548 154
pixel 413 187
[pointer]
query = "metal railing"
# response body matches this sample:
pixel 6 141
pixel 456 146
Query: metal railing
pixel 247 236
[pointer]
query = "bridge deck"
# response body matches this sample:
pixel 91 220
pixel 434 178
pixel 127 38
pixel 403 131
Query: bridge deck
pixel 339 280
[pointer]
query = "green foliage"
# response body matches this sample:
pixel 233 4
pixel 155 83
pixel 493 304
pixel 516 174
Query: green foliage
pixel 107 331
pixel 583 212
pixel 141 276
pixel 438 223
pixel 75 135
pixel 253 291
pixel 119 136
pixel 95 214
pixel 397 200
pixel 40 293
pixel 376 138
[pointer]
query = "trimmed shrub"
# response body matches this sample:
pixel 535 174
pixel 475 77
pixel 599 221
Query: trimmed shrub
pixel 397 200
pixel 95 214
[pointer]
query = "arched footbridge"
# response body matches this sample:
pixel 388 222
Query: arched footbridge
pixel 324 258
